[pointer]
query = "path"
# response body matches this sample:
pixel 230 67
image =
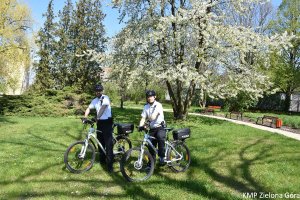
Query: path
pixel 273 130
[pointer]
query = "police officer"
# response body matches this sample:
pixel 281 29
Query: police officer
pixel 104 124
pixel 153 113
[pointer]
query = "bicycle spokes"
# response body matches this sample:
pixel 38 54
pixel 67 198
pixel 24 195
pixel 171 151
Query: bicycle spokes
pixel 79 157
pixel 179 157
pixel 137 167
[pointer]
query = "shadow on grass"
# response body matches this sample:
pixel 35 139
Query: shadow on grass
pixel 239 179
pixel 37 143
pixel 4 119
pixel 134 190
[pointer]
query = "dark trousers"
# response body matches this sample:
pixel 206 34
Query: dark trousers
pixel 160 135
pixel 105 137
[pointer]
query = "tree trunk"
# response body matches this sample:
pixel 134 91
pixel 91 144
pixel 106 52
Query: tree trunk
pixel 287 102
pixel 180 106
pixel 122 103
pixel 122 99
pixel 202 100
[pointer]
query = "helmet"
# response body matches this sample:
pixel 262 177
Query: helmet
pixel 98 87
pixel 150 93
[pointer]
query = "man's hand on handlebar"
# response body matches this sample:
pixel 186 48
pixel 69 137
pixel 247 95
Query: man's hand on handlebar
pixel 84 120
pixel 141 128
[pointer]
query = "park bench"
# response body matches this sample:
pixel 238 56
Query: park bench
pixel 271 121
pixel 235 114
pixel 211 109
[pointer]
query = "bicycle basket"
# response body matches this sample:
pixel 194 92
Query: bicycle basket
pixel 181 134
pixel 125 129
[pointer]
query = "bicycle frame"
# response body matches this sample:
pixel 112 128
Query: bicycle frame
pixel 91 134
pixel 147 141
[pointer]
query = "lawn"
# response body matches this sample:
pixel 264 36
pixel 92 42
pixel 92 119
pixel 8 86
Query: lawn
pixel 227 161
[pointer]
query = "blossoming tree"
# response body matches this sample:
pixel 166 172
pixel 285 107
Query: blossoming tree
pixel 189 44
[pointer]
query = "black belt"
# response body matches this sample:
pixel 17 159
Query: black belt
pixel 104 120
pixel 158 127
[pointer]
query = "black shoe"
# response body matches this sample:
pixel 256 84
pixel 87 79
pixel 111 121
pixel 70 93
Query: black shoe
pixel 162 161
pixel 102 162
pixel 110 170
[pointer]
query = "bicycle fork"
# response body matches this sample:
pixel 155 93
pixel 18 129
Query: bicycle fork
pixel 139 163
pixel 83 150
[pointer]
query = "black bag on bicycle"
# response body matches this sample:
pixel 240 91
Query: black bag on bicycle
pixel 125 129
pixel 181 134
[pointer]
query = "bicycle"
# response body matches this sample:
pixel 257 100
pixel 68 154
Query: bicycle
pixel 137 164
pixel 80 156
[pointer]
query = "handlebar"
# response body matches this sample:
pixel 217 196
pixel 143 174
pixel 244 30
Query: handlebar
pixel 146 128
pixel 88 121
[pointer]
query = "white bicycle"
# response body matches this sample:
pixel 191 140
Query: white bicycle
pixel 80 156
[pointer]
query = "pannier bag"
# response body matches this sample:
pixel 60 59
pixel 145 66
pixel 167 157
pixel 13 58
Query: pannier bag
pixel 125 128
pixel 181 134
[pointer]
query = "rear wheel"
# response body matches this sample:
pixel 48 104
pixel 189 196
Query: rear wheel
pixel 77 163
pixel 173 155
pixel 134 171
pixel 121 145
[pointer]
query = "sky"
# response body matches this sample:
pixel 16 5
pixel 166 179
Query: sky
pixel 39 7
pixel 111 22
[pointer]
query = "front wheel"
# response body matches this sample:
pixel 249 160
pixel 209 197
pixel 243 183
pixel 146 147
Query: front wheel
pixel 179 156
pixel 132 169
pixel 76 161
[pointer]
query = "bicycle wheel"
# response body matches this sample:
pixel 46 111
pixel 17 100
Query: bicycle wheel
pixel 132 170
pixel 121 145
pixel 179 165
pixel 73 160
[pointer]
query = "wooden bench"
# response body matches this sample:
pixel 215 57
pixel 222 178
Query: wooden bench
pixel 214 107
pixel 211 109
pixel 271 121
pixel 238 115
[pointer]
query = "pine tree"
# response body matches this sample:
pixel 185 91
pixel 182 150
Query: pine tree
pixel 89 34
pixel 64 48
pixel 45 68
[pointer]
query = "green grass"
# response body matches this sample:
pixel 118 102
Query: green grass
pixel 227 160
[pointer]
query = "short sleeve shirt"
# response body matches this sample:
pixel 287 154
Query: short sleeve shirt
pixel 149 110
pixel 97 103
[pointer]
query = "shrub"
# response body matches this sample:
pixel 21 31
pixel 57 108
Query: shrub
pixel 51 103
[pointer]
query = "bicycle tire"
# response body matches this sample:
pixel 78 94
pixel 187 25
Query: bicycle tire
pixel 130 171
pixel 183 164
pixel 78 165
pixel 121 145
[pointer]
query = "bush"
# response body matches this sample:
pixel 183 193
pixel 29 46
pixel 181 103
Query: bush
pixel 239 103
pixel 51 103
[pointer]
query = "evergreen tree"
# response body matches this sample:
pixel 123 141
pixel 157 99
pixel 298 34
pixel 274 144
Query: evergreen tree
pixel 89 34
pixel 64 48
pixel 45 68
